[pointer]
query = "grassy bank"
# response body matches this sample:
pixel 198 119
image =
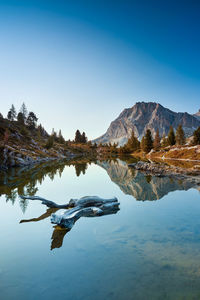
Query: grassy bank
pixel 180 153
pixel 185 157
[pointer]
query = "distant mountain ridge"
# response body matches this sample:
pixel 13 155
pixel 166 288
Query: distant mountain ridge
pixel 147 115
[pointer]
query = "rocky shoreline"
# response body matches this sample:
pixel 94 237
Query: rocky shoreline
pixel 12 157
pixel 161 169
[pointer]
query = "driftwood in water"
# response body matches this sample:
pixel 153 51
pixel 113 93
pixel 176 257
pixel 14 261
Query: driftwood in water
pixel 90 201
pixel 69 217
pixel 89 206
pixel 82 202
pixel 45 201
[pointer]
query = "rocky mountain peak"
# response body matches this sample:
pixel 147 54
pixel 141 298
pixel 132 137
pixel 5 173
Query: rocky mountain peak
pixel 143 116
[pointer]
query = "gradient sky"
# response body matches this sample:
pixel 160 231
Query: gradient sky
pixel 78 64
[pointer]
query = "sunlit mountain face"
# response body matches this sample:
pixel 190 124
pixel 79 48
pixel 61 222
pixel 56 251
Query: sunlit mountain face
pixel 147 115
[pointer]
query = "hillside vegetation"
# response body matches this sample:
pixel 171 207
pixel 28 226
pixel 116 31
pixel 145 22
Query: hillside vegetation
pixel 23 142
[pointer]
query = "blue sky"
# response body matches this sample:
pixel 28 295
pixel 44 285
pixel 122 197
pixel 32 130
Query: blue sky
pixel 78 64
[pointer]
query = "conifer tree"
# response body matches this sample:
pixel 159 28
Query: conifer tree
pixel 9 115
pixel 24 111
pixel 54 134
pixel 20 118
pixel 61 138
pixel 171 137
pixel 78 137
pixel 31 120
pixel 1 116
pixel 12 113
pixel 156 143
pixel 148 141
pixel 83 138
pixel 196 136
pixel 180 135
pixel 132 144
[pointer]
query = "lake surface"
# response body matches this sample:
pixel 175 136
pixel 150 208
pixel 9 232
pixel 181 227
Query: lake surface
pixel 149 249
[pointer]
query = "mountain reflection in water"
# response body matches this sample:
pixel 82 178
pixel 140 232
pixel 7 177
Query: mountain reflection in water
pixel 142 187
pixel 23 181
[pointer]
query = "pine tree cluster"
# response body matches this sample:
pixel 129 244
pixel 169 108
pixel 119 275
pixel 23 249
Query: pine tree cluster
pixel 23 117
pixel 147 143
pixel 80 138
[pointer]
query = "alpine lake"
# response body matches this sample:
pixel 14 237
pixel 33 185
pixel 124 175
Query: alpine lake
pixel 148 250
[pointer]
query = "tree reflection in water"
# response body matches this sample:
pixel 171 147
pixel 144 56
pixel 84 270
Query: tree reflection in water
pixel 24 181
pixel 80 168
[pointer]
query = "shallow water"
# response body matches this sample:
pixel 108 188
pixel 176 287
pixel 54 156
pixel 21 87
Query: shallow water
pixel 149 249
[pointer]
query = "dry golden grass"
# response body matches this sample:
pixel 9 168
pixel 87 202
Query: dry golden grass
pixel 181 153
pixel 190 153
pixel 184 157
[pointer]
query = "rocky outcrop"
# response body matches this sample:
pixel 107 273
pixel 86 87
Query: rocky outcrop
pixel 160 169
pixel 20 157
pixel 143 116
